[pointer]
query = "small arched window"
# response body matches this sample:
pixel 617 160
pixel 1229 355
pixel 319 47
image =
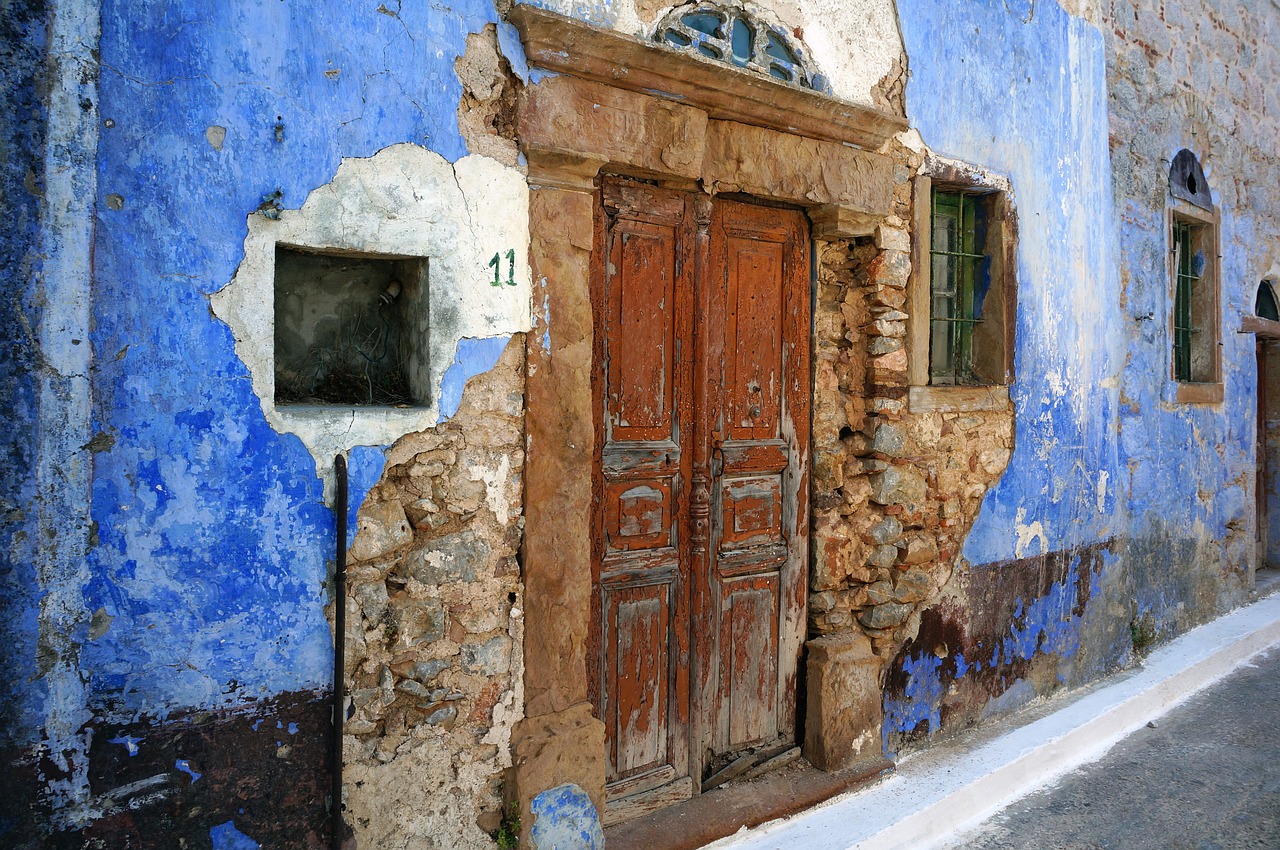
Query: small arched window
pixel 1196 364
pixel 1264 305
pixel 733 36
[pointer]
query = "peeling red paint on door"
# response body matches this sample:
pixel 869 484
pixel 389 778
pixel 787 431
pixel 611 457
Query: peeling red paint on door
pixel 700 545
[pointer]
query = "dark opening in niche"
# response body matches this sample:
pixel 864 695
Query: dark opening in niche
pixel 350 329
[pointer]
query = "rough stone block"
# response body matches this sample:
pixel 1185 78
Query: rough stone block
pixel 877 593
pixel 779 165
pixel 885 616
pixel 843 719
pixel 552 750
pixel 451 558
pixel 647 133
pixel 565 819
pixel 883 556
pixel 488 658
pixel 893 239
pixel 890 268
pixel 898 485
pixel 914 585
pixel 890 439
pixel 920 549
pixel 416 621
pixel 887 530
pixel 380 527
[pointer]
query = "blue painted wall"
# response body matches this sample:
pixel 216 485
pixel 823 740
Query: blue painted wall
pixel 23 42
pixel 1021 90
pixel 1104 467
pixel 208 569
pixel 212 533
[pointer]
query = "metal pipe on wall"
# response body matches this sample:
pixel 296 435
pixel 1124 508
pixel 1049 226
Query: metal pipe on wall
pixel 337 824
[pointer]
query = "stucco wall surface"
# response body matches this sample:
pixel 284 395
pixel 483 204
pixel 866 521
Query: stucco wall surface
pixel 189 679
pixel 1190 75
pixel 1037 117
pixel 1119 508
pixel 23 42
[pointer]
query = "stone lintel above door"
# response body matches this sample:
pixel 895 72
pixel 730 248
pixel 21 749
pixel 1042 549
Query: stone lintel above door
pixel 573 47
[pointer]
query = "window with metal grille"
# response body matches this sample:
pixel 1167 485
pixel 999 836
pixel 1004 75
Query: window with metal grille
pixel 1195 330
pixel 959 280
pixel 1188 278
pixel 1195 299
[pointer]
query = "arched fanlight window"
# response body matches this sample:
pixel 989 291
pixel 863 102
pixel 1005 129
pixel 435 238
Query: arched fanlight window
pixel 1264 306
pixel 733 36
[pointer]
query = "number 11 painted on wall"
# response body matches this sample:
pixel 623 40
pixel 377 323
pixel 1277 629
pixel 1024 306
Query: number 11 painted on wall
pixel 496 263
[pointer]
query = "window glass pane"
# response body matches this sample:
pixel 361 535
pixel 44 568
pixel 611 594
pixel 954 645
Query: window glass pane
pixel 707 23
pixel 778 49
pixel 940 358
pixel 742 42
pixel 958 281
pixel 943 274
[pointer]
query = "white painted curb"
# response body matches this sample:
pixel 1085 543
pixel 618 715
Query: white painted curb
pixel 944 791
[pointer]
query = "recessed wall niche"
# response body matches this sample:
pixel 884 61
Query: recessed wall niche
pixel 350 329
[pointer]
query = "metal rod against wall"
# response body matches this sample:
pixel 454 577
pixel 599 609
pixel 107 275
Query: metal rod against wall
pixel 337 825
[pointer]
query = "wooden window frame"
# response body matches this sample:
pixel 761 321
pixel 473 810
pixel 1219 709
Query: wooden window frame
pixel 1001 250
pixel 1208 305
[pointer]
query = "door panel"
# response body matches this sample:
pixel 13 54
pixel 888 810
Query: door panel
pixel 638 621
pixel 640 686
pixel 749 654
pixel 702 383
pixel 759 432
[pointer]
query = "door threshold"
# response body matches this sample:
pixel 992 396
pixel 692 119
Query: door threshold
pixel 738 803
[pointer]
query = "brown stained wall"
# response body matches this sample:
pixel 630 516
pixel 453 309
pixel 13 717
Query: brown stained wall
pixel 434 624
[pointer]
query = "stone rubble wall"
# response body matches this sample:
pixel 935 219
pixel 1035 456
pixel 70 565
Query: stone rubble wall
pixel 895 492
pixel 434 625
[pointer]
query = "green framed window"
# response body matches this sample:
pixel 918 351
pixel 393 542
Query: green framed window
pixel 1189 266
pixel 959 279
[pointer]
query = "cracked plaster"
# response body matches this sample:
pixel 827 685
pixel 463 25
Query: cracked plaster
pixel 403 201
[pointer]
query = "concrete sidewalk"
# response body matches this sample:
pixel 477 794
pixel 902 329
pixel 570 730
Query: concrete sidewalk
pixel 955 785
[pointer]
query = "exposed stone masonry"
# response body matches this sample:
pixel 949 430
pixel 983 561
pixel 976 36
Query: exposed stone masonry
pixel 895 491
pixel 434 624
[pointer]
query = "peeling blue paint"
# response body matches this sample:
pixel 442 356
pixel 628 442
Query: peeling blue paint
pixel 564 818
pixel 1049 625
pixel 921 701
pixel 226 837
pixel 211 531
pixel 129 743
pixel 1039 117
pixel 185 766
pixel 472 357
pixel 22 136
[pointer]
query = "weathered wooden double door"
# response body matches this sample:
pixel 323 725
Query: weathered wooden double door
pixel 702 382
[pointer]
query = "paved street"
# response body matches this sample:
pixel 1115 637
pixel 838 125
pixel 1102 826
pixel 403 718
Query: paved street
pixel 1206 778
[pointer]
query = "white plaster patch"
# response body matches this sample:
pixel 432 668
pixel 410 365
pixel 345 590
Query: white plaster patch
pixel 1027 533
pixel 1102 491
pixel 495 482
pixel 404 201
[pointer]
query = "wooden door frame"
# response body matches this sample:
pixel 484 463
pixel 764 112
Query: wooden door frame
pixel 1265 331
pixel 1260 451
pixel 719 129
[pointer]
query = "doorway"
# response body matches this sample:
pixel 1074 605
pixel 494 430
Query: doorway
pixel 699 544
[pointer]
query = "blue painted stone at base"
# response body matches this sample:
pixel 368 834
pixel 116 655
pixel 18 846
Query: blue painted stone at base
pixel 225 836
pixel 565 819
